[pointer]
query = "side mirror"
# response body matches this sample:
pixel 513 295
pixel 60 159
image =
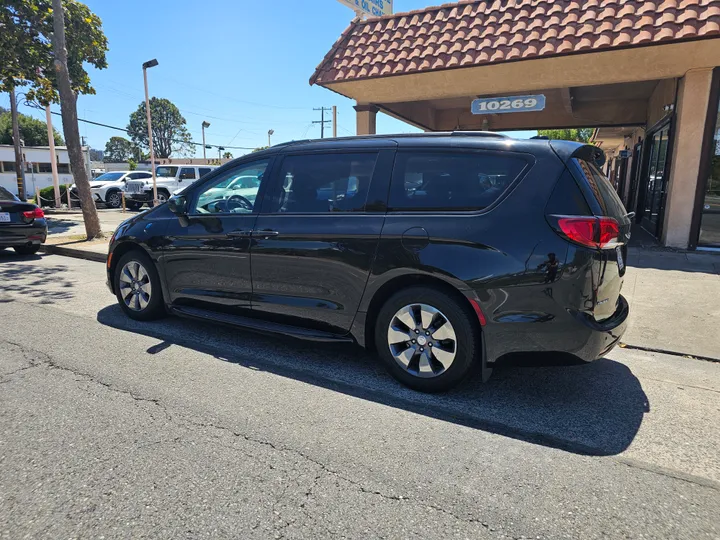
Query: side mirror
pixel 178 205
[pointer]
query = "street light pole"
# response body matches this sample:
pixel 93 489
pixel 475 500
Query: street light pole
pixel 220 149
pixel 270 132
pixel 204 125
pixel 145 66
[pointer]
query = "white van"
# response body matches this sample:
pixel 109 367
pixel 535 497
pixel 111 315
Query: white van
pixel 170 178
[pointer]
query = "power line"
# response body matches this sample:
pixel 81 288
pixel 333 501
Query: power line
pixel 171 140
pixel 322 120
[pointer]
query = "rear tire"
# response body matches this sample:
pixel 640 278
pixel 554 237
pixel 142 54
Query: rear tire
pixel 30 249
pixel 437 347
pixel 162 196
pixel 137 287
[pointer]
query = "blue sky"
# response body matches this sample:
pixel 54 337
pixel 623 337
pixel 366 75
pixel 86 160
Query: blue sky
pixel 242 65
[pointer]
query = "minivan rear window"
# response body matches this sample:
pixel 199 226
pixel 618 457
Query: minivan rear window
pixel 607 198
pixel 432 181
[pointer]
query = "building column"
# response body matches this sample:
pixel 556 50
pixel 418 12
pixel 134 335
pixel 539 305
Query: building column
pixel 692 107
pixel 366 119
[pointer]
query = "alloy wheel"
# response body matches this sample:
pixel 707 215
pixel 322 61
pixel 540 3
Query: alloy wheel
pixel 135 286
pixel 422 340
pixel 114 200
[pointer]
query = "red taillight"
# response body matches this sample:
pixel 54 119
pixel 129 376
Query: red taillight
pixel 34 214
pixel 594 232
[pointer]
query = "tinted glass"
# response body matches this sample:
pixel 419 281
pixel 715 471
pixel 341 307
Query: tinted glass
pixel 187 173
pixel 319 183
pixel 8 166
pixel 710 221
pixel 169 172
pixel 607 198
pixel 233 192
pixel 109 177
pixel 64 168
pixel 5 195
pixel 204 170
pixel 44 167
pixel 451 181
pixel 567 198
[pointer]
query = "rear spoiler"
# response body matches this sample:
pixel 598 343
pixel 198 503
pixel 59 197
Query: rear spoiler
pixel 567 150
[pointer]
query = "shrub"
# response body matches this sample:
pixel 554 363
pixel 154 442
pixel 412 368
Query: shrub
pixel 47 195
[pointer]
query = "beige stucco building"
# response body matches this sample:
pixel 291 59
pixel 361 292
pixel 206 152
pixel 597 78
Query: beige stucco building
pixel 643 73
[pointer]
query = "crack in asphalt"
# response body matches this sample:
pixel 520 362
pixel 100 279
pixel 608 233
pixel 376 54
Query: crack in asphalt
pixel 48 361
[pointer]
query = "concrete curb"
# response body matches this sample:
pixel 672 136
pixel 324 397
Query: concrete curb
pixel 72 252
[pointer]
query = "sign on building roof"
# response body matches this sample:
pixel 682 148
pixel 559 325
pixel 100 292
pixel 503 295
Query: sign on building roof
pixel 372 8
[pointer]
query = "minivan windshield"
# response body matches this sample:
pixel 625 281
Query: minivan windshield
pixel 166 172
pixel 109 177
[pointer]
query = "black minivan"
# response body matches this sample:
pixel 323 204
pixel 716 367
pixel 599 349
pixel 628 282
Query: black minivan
pixel 439 251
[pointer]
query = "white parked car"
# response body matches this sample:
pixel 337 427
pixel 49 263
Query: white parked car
pixel 169 178
pixel 107 188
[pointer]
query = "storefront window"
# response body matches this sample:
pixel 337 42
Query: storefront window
pixel 710 220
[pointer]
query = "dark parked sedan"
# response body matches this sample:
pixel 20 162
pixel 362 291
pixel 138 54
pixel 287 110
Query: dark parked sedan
pixel 441 251
pixel 22 225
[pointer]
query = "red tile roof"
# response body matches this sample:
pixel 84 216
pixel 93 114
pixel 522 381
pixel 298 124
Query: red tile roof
pixel 472 33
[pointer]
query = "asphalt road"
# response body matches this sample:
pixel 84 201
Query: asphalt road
pixel 175 429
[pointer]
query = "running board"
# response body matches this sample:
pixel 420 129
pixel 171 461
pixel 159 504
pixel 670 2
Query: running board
pixel 257 325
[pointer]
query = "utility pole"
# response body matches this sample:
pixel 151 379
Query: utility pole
pixel 220 149
pixel 147 65
pixel 19 165
pixel 53 158
pixel 322 120
pixel 334 121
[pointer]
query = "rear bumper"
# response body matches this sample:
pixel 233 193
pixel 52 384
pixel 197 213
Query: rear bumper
pixel 21 235
pixel 565 331
pixel 601 338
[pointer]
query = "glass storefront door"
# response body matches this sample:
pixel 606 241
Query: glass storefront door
pixel 710 218
pixel 656 181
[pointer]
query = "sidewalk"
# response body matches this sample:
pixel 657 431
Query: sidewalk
pixel 674 296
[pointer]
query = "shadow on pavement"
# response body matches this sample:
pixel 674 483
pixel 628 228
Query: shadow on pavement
pixel 589 409
pixel 46 284
pixel 59 226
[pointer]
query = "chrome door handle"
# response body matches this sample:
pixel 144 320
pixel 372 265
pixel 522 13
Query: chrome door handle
pixel 266 232
pixel 240 234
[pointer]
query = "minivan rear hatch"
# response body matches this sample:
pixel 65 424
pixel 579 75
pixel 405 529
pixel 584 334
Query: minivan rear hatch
pixel 605 204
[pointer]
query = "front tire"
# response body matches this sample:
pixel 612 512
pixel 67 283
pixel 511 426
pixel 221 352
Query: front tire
pixel 114 199
pixel 137 287
pixel 162 196
pixel 131 205
pixel 29 249
pixel 426 339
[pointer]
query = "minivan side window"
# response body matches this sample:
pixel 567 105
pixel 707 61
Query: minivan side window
pixel 434 181
pixel 187 173
pixel 233 192
pixel 204 170
pixel 324 183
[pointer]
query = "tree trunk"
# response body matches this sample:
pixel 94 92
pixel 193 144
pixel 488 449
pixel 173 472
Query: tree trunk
pixel 68 107
pixel 19 172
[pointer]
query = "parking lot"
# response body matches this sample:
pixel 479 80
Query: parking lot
pixel 178 428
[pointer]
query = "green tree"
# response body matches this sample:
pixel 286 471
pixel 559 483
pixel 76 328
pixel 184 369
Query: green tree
pixel 35 52
pixel 119 149
pixel 170 136
pixel 132 164
pixel 227 155
pixel 32 131
pixel 260 148
pixel 579 135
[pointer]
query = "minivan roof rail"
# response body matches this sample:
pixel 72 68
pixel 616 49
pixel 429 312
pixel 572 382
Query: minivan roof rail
pixel 490 134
